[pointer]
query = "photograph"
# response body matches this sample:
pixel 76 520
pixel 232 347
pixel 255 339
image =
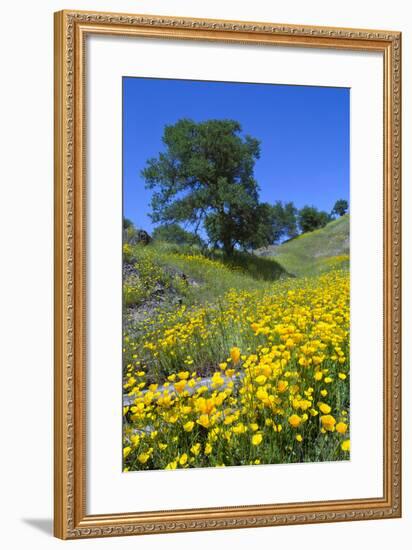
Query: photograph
pixel 235 274
pixel 227 273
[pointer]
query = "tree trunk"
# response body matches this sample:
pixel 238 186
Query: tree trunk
pixel 228 247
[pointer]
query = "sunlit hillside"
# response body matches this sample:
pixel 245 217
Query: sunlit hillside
pixel 314 252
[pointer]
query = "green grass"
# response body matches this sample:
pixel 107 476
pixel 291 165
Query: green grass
pixel 195 278
pixel 206 276
pixel 315 252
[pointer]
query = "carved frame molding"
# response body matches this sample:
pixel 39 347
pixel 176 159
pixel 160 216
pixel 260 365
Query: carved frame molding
pixel 71 520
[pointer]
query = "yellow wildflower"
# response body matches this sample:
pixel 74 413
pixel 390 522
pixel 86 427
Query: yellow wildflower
pixel 328 422
pixel 204 420
pixel 341 427
pixel 294 420
pixel 183 459
pixel 180 386
pixel 282 385
pixel 188 427
pixel 235 355
pixel 195 449
pixel 257 439
pixel 324 408
pixel 143 458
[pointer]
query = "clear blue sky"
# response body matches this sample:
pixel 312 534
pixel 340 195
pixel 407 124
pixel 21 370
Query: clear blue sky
pixel 304 134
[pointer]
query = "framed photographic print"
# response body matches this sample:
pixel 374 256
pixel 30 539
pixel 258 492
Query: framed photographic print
pixel 227 274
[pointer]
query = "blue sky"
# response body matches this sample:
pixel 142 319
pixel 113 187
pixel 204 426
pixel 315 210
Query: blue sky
pixel 304 134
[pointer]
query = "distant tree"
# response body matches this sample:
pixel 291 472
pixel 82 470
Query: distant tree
pixel 284 221
pixel 205 177
pixel 290 213
pixel 340 208
pixel 127 223
pixel 310 218
pixel 173 233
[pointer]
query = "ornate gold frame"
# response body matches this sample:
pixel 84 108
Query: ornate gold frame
pixel 71 520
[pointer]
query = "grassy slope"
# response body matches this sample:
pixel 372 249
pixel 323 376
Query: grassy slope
pixel 315 252
pixel 209 277
pixel 216 275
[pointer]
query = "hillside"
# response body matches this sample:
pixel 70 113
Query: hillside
pixel 222 359
pixel 230 346
pixel 163 275
pixel 314 252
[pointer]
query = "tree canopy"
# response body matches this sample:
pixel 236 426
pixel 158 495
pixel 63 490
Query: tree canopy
pixel 204 179
pixel 205 176
pixel 284 221
pixel 310 218
pixel 340 208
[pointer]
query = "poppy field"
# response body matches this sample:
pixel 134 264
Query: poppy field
pixel 251 375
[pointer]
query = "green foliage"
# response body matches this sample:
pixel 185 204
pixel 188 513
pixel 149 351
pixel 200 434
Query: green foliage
pixel 151 276
pixel 310 218
pixel 207 276
pixel 340 208
pixel 129 235
pixel 127 223
pixel 250 227
pixel 129 232
pixel 205 176
pixel 173 233
pixel 284 221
